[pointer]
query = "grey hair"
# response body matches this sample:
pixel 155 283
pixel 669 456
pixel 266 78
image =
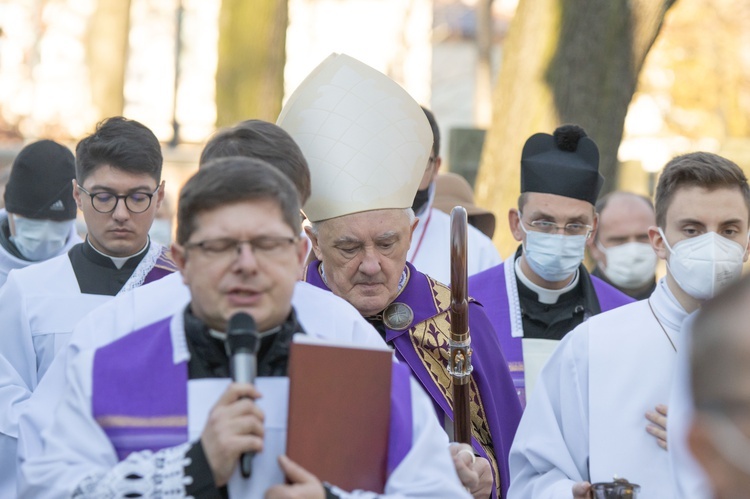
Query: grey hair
pixel 315 226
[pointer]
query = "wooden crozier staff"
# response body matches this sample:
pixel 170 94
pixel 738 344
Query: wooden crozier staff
pixel 459 366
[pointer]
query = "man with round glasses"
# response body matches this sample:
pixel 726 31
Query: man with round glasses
pixel 118 187
pixel 543 291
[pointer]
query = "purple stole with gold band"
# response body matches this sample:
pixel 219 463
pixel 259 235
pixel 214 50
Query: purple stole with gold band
pixel 490 288
pixel 421 342
pixel 162 268
pixel 139 396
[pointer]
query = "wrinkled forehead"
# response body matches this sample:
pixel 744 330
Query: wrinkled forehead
pixel 366 225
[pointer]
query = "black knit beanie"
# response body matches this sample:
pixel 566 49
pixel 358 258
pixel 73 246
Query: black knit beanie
pixel 40 182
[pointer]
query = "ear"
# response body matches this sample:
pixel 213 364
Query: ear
pixel 514 220
pixel 657 242
pixel 76 194
pixel 413 228
pixel 594 250
pixel 160 195
pixel 314 242
pixel 179 257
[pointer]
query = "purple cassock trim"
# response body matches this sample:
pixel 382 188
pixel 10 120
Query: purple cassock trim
pixel 499 400
pixel 162 268
pixel 490 289
pixel 133 399
pixel 400 436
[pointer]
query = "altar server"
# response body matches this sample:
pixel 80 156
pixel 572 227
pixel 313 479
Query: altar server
pixel 585 422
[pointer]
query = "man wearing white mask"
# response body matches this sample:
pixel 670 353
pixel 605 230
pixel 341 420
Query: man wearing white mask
pixel 543 291
pixel 624 258
pixel 38 222
pixel 585 421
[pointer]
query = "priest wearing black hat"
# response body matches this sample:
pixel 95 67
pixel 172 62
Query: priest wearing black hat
pixel 38 222
pixel 543 291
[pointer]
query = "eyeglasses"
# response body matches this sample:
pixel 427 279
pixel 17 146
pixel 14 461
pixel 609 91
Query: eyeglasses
pixel 571 229
pixel 224 248
pixel 106 202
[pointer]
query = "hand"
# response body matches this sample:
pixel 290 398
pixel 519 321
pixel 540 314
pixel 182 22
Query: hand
pixel 234 426
pixel 582 490
pixel 474 472
pixel 659 426
pixel 302 483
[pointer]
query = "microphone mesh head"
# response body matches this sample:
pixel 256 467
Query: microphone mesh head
pixel 242 333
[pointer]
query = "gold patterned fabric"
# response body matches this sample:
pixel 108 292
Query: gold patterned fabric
pixel 430 339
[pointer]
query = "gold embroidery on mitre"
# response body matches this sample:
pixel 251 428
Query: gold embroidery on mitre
pixel 431 342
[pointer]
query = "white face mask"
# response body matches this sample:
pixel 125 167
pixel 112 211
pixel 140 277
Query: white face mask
pixel 629 265
pixel 553 257
pixel 704 265
pixel 39 240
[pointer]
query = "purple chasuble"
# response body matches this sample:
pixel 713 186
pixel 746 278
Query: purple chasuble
pixel 140 396
pixel 490 289
pixel 162 268
pixel 423 346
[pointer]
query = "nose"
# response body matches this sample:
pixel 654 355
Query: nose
pixel 370 264
pixel 245 260
pixel 121 212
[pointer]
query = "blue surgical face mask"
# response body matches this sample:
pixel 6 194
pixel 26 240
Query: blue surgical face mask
pixel 553 257
pixel 39 240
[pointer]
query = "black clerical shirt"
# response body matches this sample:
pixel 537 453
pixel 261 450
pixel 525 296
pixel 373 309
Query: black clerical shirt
pixel 97 274
pixel 553 321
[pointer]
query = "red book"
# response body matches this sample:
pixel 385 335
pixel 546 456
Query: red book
pixel 339 413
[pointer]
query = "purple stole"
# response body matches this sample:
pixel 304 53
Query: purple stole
pixel 490 289
pixel 140 396
pixel 423 346
pixel 162 268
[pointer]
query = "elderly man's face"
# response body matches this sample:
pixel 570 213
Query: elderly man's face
pixel 256 276
pixel 363 255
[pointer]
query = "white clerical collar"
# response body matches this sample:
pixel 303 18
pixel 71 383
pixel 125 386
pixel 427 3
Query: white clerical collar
pixel 546 296
pixel 669 311
pixel 117 260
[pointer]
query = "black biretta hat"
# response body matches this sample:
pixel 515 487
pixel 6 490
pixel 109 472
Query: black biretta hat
pixel 566 164
pixel 40 184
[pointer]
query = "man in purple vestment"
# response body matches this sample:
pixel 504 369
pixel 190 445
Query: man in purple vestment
pixel 543 291
pixel 154 414
pixel 366 160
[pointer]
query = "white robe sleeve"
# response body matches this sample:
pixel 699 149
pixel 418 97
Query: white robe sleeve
pixel 550 450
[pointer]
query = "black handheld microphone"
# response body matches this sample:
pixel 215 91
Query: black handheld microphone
pixel 243 342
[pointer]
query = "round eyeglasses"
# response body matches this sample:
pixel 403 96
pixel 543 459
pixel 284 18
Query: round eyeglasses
pixel 106 202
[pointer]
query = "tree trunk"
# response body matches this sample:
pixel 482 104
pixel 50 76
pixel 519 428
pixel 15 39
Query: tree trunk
pixel 107 56
pixel 252 54
pixel 564 61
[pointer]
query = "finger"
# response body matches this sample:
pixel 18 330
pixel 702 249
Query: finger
pixel 657 419
pixel 294 472
pixel 245 425
pixel 237 391
pixel 581 490
pixel 661 435
pixel 243 407
pixel 662 409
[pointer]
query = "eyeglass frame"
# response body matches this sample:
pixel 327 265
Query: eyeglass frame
pixel 236 245
pixel 557 228
pixel 118 197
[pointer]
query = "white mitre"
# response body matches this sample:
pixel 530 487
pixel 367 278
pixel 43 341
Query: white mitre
pixel 366 140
